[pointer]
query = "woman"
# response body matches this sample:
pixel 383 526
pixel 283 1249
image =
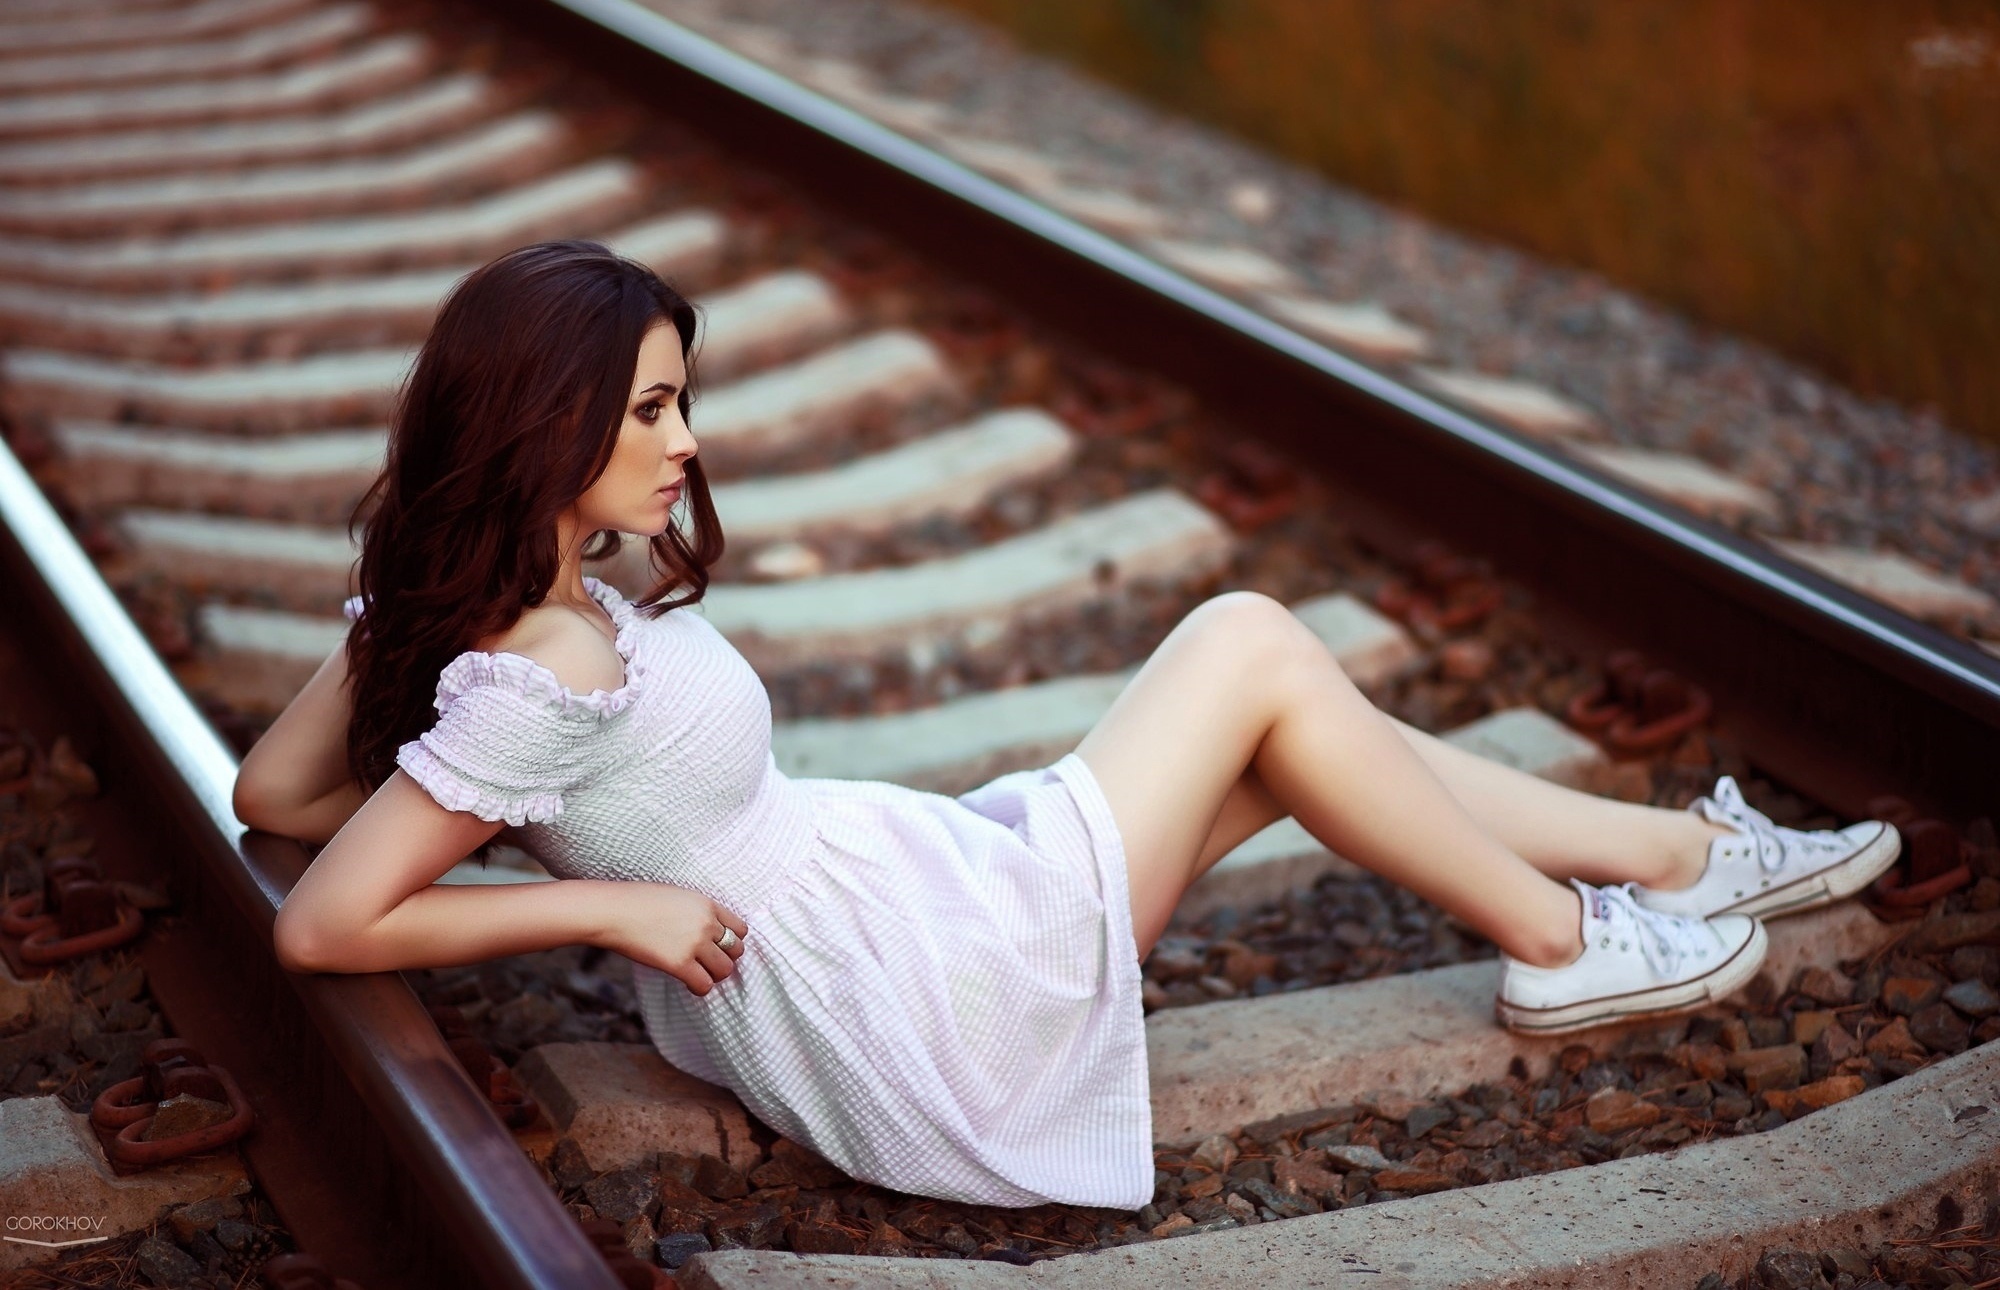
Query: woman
pixel 942 994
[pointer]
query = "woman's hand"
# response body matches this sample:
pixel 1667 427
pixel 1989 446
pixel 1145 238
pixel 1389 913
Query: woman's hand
pixel 674 929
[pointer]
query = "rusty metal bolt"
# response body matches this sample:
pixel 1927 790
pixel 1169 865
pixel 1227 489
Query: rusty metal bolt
pixel 171 1068
pixel 1935 863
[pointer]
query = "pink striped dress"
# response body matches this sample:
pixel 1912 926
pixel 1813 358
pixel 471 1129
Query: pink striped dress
pixel 938 994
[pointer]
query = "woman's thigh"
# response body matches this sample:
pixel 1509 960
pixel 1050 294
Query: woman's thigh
pixel 1172 752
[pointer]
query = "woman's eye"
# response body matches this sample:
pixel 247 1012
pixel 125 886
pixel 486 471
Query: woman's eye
pixel 649 412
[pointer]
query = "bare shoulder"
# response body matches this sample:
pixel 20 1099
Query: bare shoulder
pixel 580 655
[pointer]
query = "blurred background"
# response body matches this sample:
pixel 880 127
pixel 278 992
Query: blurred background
pixel 1825 178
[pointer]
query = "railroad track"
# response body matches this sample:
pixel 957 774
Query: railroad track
pixel 223 228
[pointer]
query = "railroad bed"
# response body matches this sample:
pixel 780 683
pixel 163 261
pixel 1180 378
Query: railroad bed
pixel 974 458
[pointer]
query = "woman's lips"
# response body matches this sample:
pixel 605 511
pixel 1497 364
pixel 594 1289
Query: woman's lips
pixel 671 492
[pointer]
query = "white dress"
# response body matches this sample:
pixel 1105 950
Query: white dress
pixel 938 994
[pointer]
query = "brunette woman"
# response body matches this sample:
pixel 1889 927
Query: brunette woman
pixel 941 994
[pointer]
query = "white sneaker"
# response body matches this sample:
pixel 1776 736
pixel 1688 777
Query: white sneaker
pixel 1769 870
pixel 1635 963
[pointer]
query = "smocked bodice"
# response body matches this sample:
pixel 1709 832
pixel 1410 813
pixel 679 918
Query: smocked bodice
pixel 669 777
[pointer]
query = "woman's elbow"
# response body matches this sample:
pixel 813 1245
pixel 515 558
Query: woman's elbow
pixel 259 803
pixel 248 802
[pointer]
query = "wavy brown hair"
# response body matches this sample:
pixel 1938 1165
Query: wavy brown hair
pixel 510 414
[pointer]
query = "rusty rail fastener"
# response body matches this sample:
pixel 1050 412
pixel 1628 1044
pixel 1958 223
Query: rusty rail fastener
pixel 632 1272
pixel 511 1102
pixel 1936 861
pixel 170 1068
pixel 1450 593
pixel 1255 487
pixel 1637 709
pixel 90 914
pixel 301 1272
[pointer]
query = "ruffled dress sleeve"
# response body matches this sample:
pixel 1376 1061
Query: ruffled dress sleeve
pixel 509 741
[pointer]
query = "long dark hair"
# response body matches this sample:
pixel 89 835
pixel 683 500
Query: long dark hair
pixel 510 414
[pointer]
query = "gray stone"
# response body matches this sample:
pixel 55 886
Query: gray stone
pixel 1974 998
pixel 164 1263
pixel 1356 1157
pixel 567 1164
pixel 677 1248
pixel 1425 1118
pixel 623 1194
pixel 1216 1151
pixel 1940 1029
pixel 234 1235
pixel 202 1216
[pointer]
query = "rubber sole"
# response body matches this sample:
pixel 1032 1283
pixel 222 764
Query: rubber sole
pixel 1666 1001
pixel 1828 885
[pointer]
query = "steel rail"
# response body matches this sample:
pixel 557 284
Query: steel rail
pixel 1832 690
pixel 380 1154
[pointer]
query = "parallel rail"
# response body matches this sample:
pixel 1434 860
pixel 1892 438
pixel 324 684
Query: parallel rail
pixel 372 1142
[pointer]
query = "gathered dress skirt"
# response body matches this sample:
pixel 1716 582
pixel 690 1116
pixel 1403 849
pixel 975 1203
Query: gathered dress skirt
pixel 946 1000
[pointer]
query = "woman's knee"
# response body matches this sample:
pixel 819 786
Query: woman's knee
pixel 1260 635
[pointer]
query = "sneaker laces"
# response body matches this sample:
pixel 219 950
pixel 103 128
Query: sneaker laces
pixel 1769 838
pixel 1666 940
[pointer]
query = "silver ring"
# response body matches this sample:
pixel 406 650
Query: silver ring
pixel 727 939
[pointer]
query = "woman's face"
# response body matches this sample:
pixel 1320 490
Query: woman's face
pixel 638 489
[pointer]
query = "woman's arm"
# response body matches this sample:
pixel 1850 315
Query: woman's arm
pixel 367 903
pixel 295 779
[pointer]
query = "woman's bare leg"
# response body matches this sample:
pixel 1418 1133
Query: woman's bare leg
pixel 1562 832
pixel 1241 684
pixel 1259 651
pixel 1566 833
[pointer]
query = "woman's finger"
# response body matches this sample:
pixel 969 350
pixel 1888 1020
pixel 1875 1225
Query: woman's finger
pixel 734 949
pixel 696 978
pixel 716 960
pixel 731 921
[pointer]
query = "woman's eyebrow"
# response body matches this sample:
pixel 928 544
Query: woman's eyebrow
pixel 656 385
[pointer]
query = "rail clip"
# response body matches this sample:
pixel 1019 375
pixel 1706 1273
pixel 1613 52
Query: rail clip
pixel 170 1068
pixel 1638 709
pixel 90 914
pixel 1936 861
pixel 1451 592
